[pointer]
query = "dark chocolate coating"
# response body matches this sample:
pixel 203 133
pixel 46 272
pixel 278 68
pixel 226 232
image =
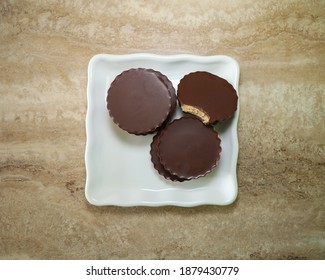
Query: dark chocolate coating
pixel 171 90
pixel 156 161
pixel 138 101
pixel 189 149
pixel 209 93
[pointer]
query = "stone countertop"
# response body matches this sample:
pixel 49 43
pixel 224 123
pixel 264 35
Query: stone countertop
pixel 45 49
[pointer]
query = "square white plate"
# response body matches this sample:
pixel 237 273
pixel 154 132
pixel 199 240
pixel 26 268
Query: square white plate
pixel 118 166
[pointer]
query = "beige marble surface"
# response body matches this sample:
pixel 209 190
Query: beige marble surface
pixel 44 52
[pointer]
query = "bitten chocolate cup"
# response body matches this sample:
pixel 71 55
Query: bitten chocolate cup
pixel 188 149
pixel 207 96
pixel 138 101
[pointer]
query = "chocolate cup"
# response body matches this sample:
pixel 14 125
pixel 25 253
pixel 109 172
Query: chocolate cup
pixel 207 96
pixel 138 101
pixel 188 149
pixel 171 90
pixel 156 161
pixel 173 96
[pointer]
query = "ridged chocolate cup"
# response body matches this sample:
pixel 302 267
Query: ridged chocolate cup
pixel 139 101
pixel 156 161
pixel 207 96
pixel 171 90
pixel 188 149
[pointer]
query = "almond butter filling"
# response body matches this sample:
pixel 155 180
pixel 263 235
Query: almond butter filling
pixel 203 116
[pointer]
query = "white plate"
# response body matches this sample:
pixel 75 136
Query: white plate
pixel 118 166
